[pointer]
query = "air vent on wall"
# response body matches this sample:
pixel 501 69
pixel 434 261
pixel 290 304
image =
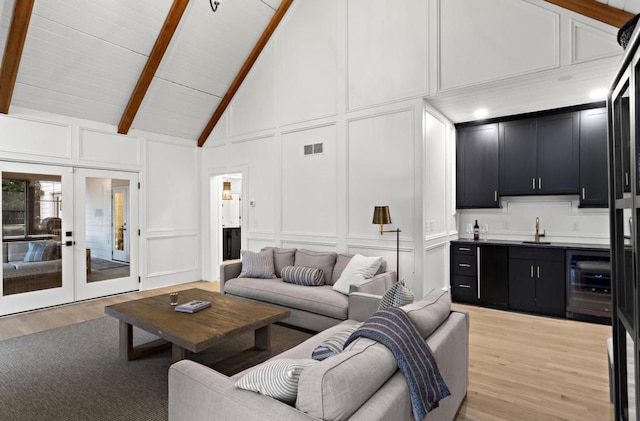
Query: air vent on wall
pixel 316 148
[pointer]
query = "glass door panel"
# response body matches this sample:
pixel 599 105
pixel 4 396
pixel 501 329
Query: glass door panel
pixel 37 265
pixel 106 215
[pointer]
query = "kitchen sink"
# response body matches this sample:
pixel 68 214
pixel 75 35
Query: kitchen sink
pixel 536 242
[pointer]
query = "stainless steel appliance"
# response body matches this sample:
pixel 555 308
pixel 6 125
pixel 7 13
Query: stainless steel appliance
pixel 589 285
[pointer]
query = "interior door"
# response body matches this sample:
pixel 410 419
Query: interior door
pixel 37 237
pixel 98 270
pixel 119 224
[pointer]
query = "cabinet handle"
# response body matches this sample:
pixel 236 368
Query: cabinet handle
pixel 464 249
pixel 539 183
pixel 538 271
pixel 464 286
pixel 532 271
pixel 464 265
pixel 495 195
pixel 626 178
pixel 584 196
pixel 533 183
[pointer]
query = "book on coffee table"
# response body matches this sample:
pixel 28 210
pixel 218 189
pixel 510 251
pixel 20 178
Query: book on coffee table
pixel 193 306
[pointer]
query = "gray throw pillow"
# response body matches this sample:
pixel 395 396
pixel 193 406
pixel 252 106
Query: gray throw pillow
pixel 281 258
pixel 429 313
pixel 257 265
pixel 301 275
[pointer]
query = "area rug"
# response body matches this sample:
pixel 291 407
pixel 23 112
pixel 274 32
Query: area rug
pixel 101 264
pixel 74 373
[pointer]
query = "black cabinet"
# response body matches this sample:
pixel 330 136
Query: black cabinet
pixel 477 167
pixel 230 243
pixel 594 190
pixel 540 155
pixel 479 274
pixel 537 280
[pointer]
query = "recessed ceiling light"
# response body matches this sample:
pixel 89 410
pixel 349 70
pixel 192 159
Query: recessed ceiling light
pixel 600 93
pixel 481 113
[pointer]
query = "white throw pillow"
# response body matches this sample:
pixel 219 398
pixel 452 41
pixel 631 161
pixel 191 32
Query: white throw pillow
pixel 357 270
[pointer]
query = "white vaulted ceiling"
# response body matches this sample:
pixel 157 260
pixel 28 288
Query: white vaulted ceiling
pixel 82 58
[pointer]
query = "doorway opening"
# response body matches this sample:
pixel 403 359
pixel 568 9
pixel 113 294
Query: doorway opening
pixel 226 218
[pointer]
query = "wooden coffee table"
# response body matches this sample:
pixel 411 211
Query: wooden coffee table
pixel 188 333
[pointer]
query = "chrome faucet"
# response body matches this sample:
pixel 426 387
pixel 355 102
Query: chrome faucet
pixel 538 235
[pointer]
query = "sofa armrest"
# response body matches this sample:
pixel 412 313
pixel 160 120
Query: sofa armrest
pixel 362 305
pixel 198 393
pixel 377 285
pixel 228 270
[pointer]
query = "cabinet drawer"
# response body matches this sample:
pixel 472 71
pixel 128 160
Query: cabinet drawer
pixel 537 253
pixel 464 265
pixel 464 288
pixel 469 249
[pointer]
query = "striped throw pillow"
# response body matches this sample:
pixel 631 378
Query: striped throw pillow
pixel 40 251
pixel 257 265
pixel 302 275
pixel 397 295
pixel 334 344
pixel 277 379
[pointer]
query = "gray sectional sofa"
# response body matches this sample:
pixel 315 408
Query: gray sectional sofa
pixel 312 307
pixel 362 383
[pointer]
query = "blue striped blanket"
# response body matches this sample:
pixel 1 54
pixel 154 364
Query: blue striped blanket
pixel 393 328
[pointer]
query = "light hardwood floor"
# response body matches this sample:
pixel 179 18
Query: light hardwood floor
pixel 521 367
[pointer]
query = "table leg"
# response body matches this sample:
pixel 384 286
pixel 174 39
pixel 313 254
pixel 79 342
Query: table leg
pixel 263 338
pixel 179 353
pixel 126 341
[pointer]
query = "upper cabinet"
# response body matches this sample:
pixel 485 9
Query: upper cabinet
pixel 477 167
pixel 594 177
pixel 551 153
pixel 540 155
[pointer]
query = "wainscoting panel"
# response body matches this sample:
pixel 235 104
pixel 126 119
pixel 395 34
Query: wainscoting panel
pixel 589 43
pixel 309 245
pixel 96 146
pixel 310 62
pixel 436 268
pixel 256 244
pixel 384 42
pixel 381 171
pixel 507 27
pixel 309 182
pixel 171 254
pixel 35 139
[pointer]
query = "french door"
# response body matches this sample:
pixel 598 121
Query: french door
pixel 57 235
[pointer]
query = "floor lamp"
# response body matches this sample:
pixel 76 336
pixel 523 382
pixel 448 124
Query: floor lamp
pixel 381 216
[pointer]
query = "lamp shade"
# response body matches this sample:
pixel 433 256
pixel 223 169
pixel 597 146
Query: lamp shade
pixel 226 190
pixel 381 215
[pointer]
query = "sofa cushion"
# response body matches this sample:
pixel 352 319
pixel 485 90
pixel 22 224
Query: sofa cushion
pixel 334 344
pixel 429 313
pixel 336 387
pixel 16 251
pixel 357 270
pixel 302 275
pixel 257 265
pixel 282 258
pixel 277 379
pixel 320 300
pixel 324 260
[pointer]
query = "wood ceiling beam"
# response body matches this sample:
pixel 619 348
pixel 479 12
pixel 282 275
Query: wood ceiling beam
pixel 244 70
pixel 153 62
pixel 13 51
pixel 594 9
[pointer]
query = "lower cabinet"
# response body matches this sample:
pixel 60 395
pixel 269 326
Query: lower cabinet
pixel 537 280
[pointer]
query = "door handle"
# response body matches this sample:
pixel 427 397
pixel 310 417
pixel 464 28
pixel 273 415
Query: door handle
pixel 584 196
pixel 532 271
pixel 495 195
pixel 626 178
pixel 539 183
pixel 538 271
pixel 69 243
pixel 533 183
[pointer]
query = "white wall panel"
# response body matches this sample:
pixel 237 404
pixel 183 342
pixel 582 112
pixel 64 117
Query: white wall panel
pixel 387 51
pixel 309 245
pixel 381 172
pixel 35 138
pixel 109 148
pixel 171 254
pixel 435 174
pixel 254 105
pixel 310 61
pixel 309 183
pixel 436 271
pixel 261 182
pixel 172 195
pixel 256 244
pixel 589 43
pixel 517 38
